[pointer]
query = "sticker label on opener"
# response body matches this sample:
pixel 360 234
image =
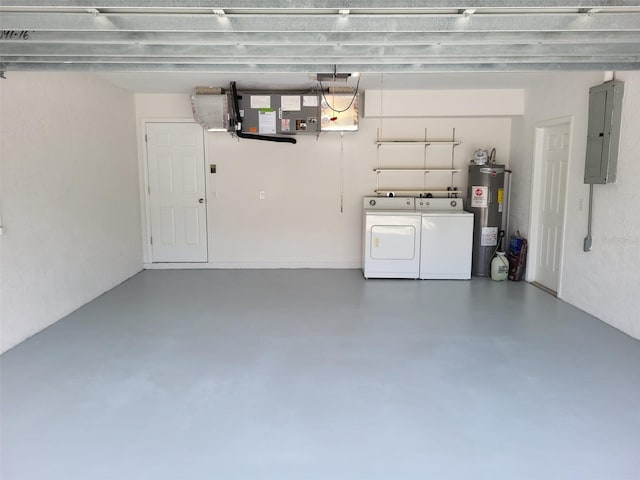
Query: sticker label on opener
pixel 479 196
pixel 489 237
pixel 500 199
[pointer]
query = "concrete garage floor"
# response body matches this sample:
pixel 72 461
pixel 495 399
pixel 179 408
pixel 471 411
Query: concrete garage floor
pixel 321 375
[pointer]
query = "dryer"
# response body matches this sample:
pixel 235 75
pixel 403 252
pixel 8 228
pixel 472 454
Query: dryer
pixel 391 239
pixel 446 239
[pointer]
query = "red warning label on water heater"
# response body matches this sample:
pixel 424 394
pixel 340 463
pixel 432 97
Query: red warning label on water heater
pixel 479 196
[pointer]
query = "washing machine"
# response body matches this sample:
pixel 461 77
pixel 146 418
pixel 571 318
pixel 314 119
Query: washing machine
pixel 446 239
pixel 391 240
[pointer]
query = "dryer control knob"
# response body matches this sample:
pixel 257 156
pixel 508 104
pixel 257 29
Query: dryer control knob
pixel 372 202
pixel 453 203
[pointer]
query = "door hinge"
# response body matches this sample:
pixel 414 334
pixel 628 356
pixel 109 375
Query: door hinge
pixel 145 138
pixel 149 190
pixel 151 240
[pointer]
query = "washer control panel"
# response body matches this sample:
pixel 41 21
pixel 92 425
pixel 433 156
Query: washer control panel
pixel 439 204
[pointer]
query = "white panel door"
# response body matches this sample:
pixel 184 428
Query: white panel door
pixel 177 197
pixel 555 161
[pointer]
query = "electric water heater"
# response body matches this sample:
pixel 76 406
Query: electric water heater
pixel 485 199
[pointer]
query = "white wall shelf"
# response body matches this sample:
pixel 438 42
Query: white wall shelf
pixel 417 142
pixel 441 188
pixel 414 190
pixel 425 170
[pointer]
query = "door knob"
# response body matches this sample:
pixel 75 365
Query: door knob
pixel 201 200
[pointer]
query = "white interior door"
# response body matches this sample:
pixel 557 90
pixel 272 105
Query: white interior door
pixel 553 192
pixel 177 197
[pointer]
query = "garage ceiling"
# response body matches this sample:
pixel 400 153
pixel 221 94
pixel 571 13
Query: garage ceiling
pixel 278 36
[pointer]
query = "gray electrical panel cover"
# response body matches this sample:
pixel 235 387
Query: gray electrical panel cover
pixel 294 113
pixel 305 118
pixel 603 133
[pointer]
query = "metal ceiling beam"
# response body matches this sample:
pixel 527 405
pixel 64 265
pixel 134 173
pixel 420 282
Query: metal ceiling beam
pixel 375 52
pixel 307 68
pixel 311 38
pixel 377 36
pixel 273 60
pixel 321 4
pixel 320 23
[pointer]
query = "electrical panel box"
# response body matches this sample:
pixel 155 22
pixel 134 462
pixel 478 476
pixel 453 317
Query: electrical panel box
pixel 603 133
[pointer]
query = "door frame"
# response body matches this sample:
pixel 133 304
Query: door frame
pixel 536 195
pixel 145 207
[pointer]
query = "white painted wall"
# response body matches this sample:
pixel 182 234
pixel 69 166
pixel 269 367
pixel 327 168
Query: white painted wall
pixel 302 222
pixel 602 282
pixel 70 203
pixel 443 103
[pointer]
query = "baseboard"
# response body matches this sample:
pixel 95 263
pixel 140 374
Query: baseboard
pixel 544 289
pixel 242 265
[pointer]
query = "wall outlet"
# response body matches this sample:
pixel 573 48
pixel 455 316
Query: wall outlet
pixel 261 194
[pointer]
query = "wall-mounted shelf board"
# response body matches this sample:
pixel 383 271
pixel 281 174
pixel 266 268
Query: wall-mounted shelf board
pixel 416 142
pixel 425 170
pixel 416 190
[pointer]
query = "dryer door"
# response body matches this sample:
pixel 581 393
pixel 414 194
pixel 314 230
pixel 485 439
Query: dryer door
pixel 393 242
pixel 392 246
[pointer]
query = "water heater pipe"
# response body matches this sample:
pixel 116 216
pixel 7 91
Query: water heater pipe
pixel 507 210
